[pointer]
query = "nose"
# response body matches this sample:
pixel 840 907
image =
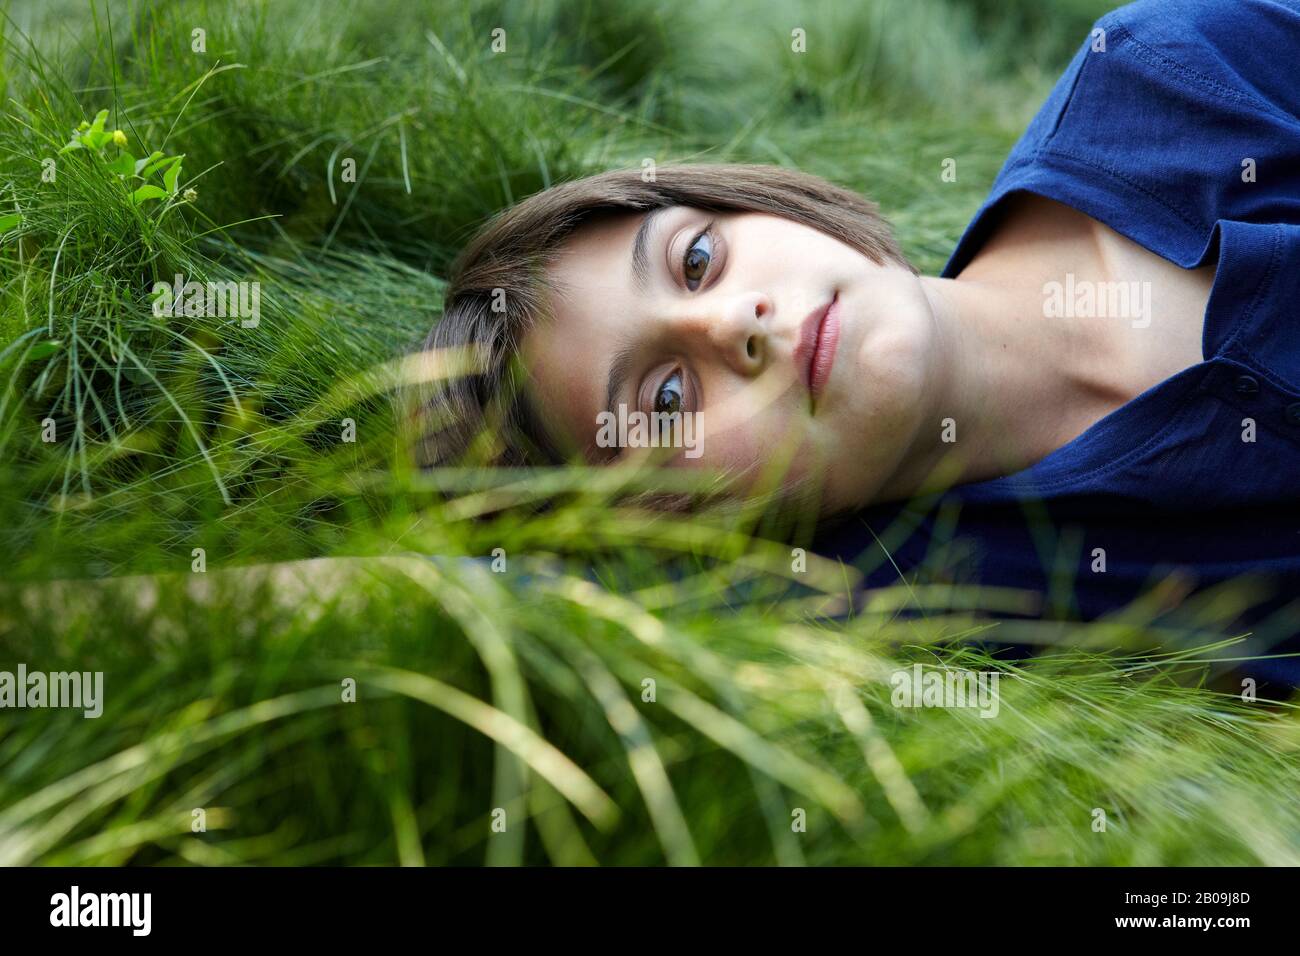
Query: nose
pixel 738 331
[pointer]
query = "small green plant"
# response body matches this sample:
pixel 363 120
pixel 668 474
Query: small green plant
pixel 94 137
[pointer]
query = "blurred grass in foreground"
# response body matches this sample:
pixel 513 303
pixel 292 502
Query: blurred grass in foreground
pixel 523 690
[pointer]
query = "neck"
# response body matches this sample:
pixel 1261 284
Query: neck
pixel 1014 385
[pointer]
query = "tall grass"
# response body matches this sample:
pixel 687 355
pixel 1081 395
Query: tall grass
pixel 633 687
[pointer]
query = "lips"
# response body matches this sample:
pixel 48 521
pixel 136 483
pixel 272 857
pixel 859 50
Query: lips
pixel 815 354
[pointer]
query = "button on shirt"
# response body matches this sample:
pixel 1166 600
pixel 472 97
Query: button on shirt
pixel 1177 124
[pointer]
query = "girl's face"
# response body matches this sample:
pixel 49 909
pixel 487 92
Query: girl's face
pixel 791 345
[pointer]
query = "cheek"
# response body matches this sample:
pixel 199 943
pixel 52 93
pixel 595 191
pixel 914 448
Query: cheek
pixel 804 258
pixel 773 438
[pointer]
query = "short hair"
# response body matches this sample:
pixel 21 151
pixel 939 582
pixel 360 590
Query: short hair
pixel 498 288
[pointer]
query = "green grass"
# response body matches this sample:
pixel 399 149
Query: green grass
pixel 523 690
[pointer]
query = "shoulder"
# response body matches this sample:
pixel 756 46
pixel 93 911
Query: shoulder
pixel 1164 106
pixel 1202 17
pixel 1237 49
pixel 1165 71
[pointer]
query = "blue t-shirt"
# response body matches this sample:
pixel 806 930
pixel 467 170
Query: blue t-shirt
pixel 1177 125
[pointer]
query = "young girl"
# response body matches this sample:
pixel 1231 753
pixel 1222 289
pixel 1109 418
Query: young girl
pixel 1101 388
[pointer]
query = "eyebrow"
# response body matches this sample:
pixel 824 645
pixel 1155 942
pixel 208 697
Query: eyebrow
pixel 625 356
pixel 621 365
pixel 641 247
pixel 619 369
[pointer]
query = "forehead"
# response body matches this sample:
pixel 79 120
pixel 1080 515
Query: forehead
pixel 607 239
pixel 589 305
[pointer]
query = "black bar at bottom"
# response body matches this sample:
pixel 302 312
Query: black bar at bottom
pixel 332 906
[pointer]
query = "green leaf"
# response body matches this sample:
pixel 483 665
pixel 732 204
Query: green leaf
pixel 97 125
pixel 147 192
pixel 158 164
pixel 8 222
pixel 140 164
pixel 74 143
pixel 95 139
pixel 44 349
pixel 124 165
pixel 170 178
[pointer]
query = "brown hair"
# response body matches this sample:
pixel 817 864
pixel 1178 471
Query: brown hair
pixel 498 286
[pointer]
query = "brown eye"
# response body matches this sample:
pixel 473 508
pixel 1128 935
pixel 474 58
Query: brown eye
pixel 696 261
pixel 669 397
